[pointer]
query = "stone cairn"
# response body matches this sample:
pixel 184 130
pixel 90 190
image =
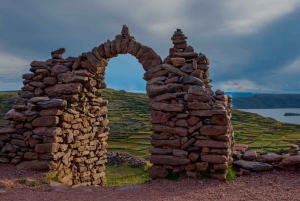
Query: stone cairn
pixel 59 122
pixel 192 129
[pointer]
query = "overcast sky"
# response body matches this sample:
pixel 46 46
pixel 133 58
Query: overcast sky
pixel 253 45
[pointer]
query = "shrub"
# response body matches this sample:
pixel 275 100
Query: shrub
pixel 230 173
pixel 34 183
pixel 22 180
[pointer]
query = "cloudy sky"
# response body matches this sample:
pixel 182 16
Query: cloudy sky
pixel 253 45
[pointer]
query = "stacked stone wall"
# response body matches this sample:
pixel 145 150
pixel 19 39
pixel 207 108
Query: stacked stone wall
pixel 59 123
pixel 191 124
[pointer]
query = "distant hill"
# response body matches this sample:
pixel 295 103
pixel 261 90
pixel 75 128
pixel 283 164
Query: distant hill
pixel 265 101
pixel 240 94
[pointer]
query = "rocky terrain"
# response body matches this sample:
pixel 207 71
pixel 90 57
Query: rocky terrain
pixel 263 186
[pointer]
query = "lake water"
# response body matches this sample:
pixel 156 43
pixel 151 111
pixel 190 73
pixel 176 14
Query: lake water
pixel 277 114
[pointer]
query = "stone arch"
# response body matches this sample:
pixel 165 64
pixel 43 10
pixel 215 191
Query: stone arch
pixel 59 122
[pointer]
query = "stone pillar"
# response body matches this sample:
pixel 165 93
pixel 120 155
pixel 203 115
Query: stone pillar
pixel 191 124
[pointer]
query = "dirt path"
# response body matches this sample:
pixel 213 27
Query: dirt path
pixel 275 185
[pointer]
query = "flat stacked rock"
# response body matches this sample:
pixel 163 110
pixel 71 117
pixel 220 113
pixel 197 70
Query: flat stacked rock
pixel 249 161
pixel 191 123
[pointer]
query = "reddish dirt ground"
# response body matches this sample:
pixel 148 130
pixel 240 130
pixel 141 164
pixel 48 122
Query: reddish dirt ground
pixel 274 185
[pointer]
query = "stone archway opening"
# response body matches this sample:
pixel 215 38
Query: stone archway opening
pixel 128 110
pixel 60 123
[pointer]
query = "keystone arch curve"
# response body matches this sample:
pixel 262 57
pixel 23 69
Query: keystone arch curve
pixel 59 122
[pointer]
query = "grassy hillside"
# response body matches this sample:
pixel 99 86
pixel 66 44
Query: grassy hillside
pixel 130 125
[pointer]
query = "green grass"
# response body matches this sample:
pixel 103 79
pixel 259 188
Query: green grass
pixel 230 174
pixel 34 183
pixel 22 180
pixel 126 175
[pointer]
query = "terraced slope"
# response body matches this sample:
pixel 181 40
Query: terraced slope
pixel 130 125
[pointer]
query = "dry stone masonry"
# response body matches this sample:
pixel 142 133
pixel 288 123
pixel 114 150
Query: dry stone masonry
pixel 191 123
pixel 59 122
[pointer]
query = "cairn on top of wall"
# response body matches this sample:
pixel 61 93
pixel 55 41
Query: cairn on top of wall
pixel 59 122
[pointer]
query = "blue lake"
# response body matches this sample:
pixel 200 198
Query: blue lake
pixel 277 114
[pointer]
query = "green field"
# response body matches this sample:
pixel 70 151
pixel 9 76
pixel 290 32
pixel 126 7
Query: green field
pixel 130 125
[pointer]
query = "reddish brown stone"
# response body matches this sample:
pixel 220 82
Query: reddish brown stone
pixel 174 130
pixel 241 147
pixel 46 148
pixel 86 64
pixel 107 49
pixel 31 155
pixel 15 115
pixel 156 90
pixel 27 87
pixel 59 89
pixel 269 158
pixel 7 130
pixel 196 90
pixel 193 121
pixel 77 63
pixel 142 50
pixel 125 30
pixel 193 156
pixel 157 171
pixel 165 143
pixel 192 97
pixel 39 92
pixel 250 155
pixel 173 50
pixel 187 68
pixel 190 167
pixel 101 51
pixel 136 48
pixel 167 60
pixel 58 69
pixel 181 123
pixel 38 64
pixel 37 84
pixel 214 158
pixel 45 121
pixel 194 128
pixel 220 120
pixel 124 46
pixel 172 80
pixel 173 69
pixel 180 45
pixel 202 66
pixel 198 73
pixel 207 113
pixel 20 143
pixel 66 117
pixel 163 97
pixel 202 166
pixel 166 107
pixel 168 160
pixel 33 141
pixel 92 58
pixel 213 130
pixel 159 117
pixel 178 61
pixel 156 74
pixel 113 47
pixel 50 81
pixel 211 144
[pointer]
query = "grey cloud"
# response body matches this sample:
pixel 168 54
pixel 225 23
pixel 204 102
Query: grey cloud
pixel 33 29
